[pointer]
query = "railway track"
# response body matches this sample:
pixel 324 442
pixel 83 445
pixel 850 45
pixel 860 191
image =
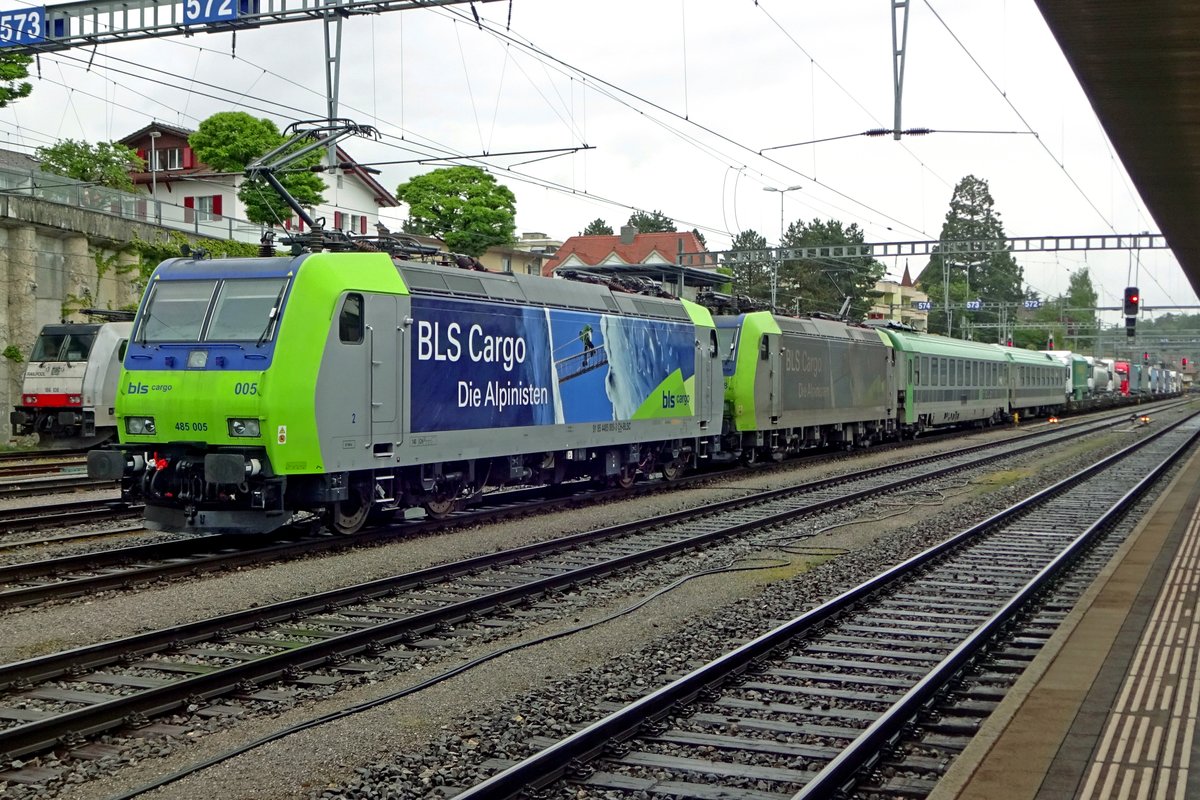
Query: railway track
pixel 118 568
pixel 64 482
pixel 64 538
pixel 62 698
pixel 18 456
pixel 15 520
pixel 64 464
pixel 815 708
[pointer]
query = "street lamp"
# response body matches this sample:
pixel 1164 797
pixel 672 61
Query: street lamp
pixel 775 268
pixel 154 171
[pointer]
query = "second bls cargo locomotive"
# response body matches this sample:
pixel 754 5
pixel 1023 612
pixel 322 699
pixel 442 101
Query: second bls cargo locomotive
pixel 352 386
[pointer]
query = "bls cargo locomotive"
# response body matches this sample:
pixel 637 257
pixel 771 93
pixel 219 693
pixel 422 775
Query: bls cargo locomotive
pixel 353 386
pixel 349 386
pixel 70 387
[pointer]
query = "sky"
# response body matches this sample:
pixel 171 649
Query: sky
pixel 694 108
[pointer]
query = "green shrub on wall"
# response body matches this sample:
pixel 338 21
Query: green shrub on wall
pixel 151 254
pixel 14 354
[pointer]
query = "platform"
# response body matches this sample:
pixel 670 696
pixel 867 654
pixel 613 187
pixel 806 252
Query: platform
pixel 1108 709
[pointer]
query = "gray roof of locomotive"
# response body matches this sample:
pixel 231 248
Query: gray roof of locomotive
pixel 535 290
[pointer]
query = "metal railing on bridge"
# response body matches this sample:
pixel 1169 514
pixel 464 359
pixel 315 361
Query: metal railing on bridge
pixel 132 206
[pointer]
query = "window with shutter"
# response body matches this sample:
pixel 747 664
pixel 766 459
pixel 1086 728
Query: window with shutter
pixel 189 209
pixel 362 224
pixel 189 160
pixel 337 220
pixel 216 205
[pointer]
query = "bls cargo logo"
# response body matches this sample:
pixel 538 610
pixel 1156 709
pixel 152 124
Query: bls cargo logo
pixel 144 388
pixel 483 348
pixel 670 400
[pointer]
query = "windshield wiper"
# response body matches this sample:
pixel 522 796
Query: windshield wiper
pixel 271 316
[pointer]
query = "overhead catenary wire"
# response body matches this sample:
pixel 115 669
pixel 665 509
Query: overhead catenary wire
pixel 193 83
pixel 1020 116
pixel 530 47
pixel 447 154
pixel 557 188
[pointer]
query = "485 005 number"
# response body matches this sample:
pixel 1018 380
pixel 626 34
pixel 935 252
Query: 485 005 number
pixel 191 426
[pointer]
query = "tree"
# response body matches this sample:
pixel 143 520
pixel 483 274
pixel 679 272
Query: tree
pixel 463 206
pixel 14 68
pixel 654 222
pixel 983 270
pixel 824 284
pixel 597 227
pixel 105 164
pixel 1070 318
pixel 750 269
pixel 700 238
pixel 229 140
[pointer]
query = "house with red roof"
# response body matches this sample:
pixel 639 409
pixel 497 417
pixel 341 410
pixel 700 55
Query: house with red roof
pixel 629 248
pixel 665 258
pixel 181 188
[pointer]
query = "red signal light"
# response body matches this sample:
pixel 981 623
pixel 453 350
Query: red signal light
pixel 1132 298
pixel 1185 361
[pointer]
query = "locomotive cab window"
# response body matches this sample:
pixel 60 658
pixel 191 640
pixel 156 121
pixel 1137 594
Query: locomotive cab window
pixel 350 321
pixel 78 347
pixel 246 310
pixel 175 311
pixel 764 348
pixel 727 342
pixel 713 351
pixel 71 346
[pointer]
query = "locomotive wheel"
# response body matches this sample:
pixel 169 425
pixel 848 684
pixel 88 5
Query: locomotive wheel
pixel 673 469
pixel 626 478
pixel 349 515
pixel 440 507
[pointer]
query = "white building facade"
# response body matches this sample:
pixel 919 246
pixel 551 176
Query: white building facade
pixel 182 192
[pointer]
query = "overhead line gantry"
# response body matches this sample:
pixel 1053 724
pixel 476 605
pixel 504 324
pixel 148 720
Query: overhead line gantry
pixel 44 29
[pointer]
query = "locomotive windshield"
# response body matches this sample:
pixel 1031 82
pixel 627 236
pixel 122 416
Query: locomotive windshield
pixel 62 346
pixel 244 309
pixel 727 342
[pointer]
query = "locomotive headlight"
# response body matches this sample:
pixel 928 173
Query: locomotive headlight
pixel 140 426
pixel 244 427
